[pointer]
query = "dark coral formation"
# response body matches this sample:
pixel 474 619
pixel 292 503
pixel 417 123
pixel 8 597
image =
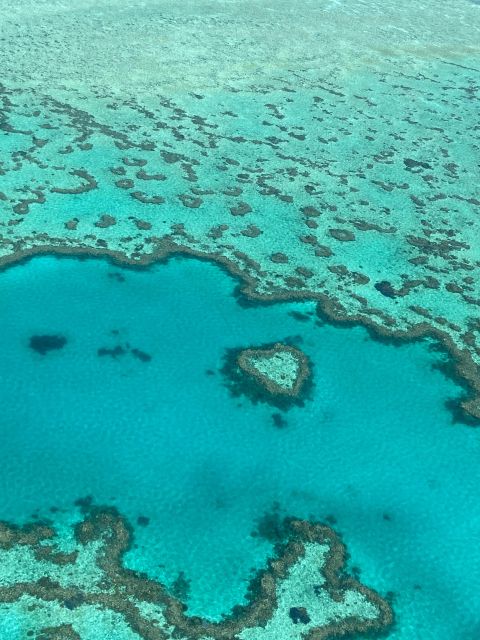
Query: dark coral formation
pixel 42 344
pixel 62 632
pixel 299 615
pixel 122 350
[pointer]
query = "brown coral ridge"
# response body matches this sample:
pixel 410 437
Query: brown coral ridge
pixel 464 369
pixel 459 366
pixel 243 379
pixel 122 588
pixel 244 360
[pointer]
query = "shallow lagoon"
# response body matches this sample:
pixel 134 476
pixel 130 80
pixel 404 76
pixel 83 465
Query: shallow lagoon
pixel 375 447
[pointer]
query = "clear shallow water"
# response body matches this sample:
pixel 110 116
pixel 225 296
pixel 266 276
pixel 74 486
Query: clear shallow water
pixel 375 447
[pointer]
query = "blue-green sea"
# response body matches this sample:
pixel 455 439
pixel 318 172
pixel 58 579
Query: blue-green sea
pixel 374 449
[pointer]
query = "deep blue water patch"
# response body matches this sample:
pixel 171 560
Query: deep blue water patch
pixel 197 471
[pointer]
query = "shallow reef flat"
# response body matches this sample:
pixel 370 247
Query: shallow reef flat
pixel 327 150
pixel 301 594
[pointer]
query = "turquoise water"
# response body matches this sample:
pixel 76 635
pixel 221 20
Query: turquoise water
pixel 321 147
pixel 375 447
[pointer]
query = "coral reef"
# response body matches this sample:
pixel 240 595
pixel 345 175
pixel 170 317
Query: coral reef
pixel 281 369
pixel 303 588
pixel 278 374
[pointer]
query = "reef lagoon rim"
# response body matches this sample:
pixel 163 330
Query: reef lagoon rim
pixel 131 408
pixel 459 366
